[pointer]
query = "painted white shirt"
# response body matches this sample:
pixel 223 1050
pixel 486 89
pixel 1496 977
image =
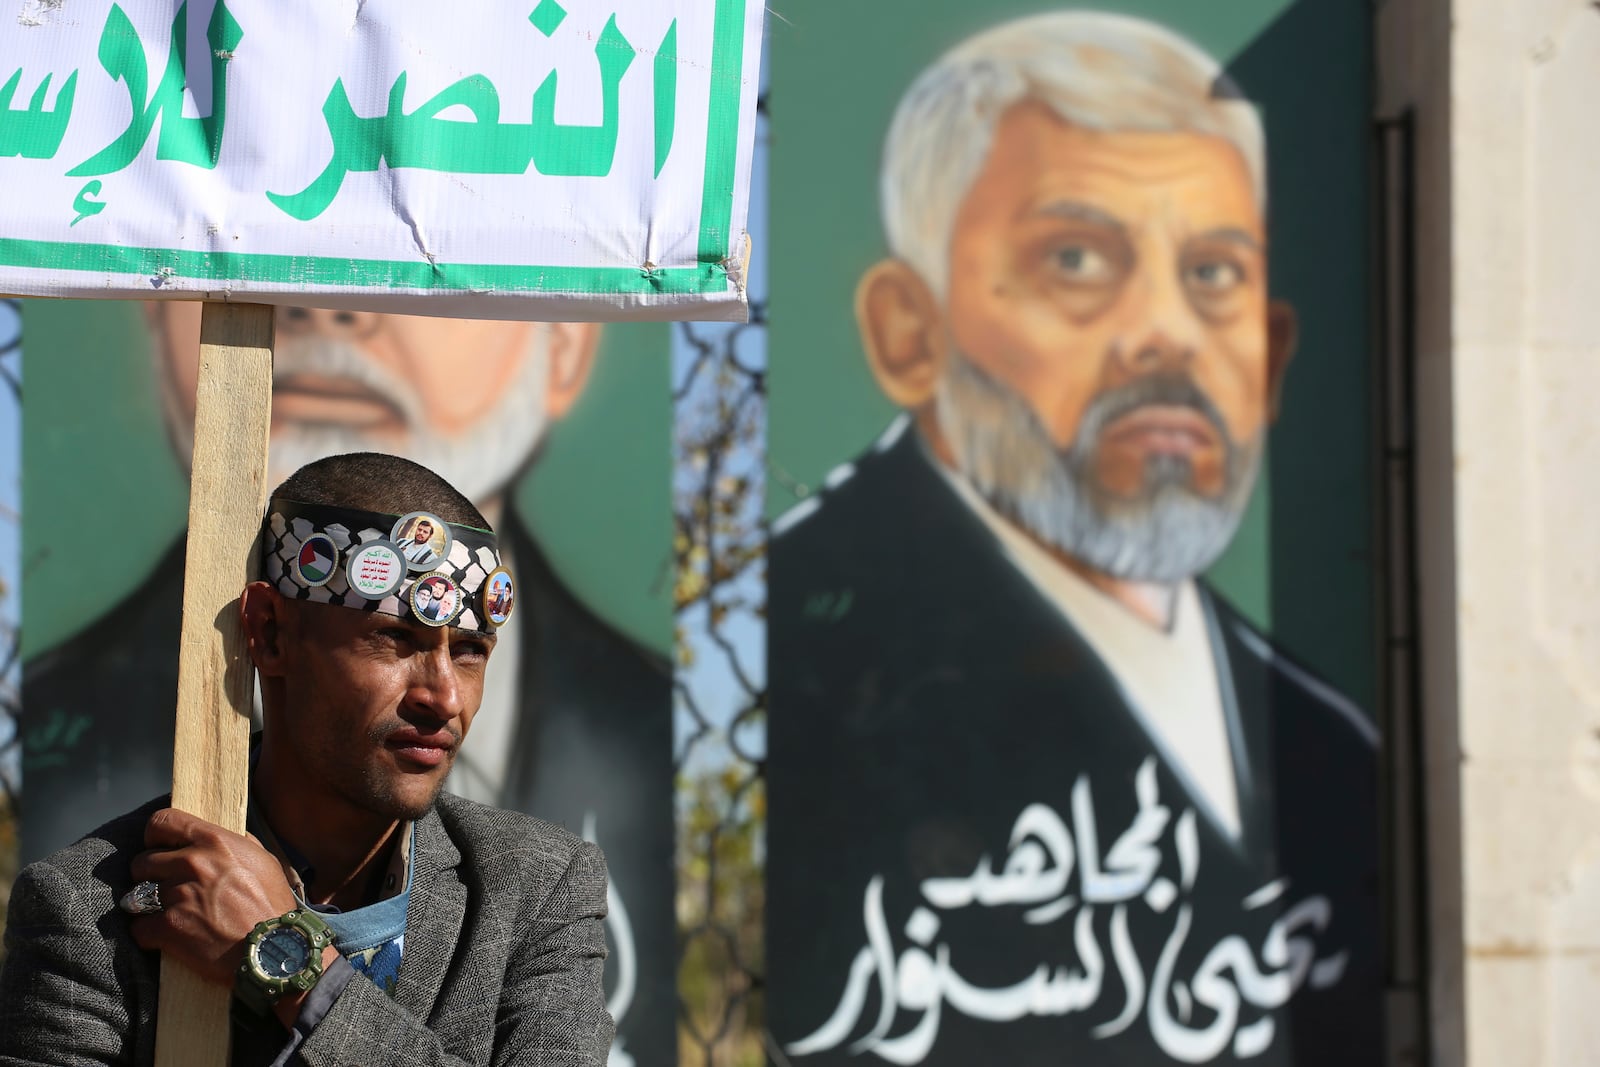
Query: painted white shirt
pixel 422 553
pixel 1169 677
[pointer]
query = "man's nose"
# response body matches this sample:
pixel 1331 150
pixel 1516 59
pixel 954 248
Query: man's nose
pixel 1163 331
pixel 435 686
pixel 1155 351
pixel 351 325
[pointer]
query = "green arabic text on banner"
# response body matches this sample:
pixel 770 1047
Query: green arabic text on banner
pixel 569 161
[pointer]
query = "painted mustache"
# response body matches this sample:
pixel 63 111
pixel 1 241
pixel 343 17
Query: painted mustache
pixel 1167 393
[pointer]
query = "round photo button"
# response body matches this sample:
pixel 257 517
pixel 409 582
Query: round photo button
pixel 375 569
pixel 436 599
pixel 424 540
pixel 317 562
pixel 498 595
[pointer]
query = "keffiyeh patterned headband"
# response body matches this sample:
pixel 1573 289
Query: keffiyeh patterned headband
pixel 414 566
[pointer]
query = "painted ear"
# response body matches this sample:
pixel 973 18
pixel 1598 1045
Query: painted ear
pixel 1283 332
pixel 902 331
pixel 261 610
pixel 572 350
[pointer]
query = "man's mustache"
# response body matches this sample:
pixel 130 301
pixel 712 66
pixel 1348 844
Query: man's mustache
pixel 1163 390
pixel 325 358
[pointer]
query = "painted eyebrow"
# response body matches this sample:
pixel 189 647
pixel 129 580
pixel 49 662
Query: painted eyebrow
pixel 1078 211
pixel 1231 235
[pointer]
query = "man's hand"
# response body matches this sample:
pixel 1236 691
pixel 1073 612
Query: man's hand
pixel 215 886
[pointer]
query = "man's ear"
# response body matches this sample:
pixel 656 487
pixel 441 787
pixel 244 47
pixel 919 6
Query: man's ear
pixel 902 331
pixel 1283 332
pixel 262 611
pixel 572 348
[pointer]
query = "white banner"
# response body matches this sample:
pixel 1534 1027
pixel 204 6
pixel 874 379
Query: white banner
pixel 543 159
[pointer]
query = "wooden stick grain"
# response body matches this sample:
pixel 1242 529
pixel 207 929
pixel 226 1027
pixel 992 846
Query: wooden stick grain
pixel 210 766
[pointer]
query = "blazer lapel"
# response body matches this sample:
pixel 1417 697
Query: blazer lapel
pixel 1247 704
pixel 433 919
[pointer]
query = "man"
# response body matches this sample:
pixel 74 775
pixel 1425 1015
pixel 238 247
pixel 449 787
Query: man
pixel 419 550
pixel 1037 795
pixel 499 596
pixel 578 723
pixel 369 918
pixel 430 597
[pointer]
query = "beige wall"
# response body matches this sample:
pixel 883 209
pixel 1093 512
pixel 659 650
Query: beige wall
pixel 1507 96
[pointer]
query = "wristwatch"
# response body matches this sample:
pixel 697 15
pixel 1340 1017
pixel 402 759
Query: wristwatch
pixel 281 955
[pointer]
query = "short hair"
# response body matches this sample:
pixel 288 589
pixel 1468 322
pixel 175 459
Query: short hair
pixel 372 481
pixel 1102 72
pixel 434 583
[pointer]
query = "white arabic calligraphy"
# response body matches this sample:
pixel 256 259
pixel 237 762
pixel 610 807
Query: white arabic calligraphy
pixel 1037 871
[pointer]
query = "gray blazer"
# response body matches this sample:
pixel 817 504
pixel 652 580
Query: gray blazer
pixel 502 960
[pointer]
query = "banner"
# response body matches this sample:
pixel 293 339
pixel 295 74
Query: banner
pixel 1072 754
pixel 555 160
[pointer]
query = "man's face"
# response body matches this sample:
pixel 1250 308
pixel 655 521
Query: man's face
pixel 1110 377
pixel 424 597
pixel 423 532
pixel 375 707
pixel 467 398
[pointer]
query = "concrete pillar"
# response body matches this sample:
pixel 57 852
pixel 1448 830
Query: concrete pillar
pixel 1508 418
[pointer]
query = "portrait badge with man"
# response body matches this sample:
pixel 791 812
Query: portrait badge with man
pixel 1045 795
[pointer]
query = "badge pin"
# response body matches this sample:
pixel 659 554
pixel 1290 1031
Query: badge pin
pixel 424 539
pixel 498 596
pixel 375 569
pixel 436 599
pixel 317 561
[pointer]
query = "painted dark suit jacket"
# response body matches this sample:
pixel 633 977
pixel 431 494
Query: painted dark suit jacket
pixel 594 736
pixel 924 697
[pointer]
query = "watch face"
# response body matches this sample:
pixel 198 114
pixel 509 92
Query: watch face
pixel 283 952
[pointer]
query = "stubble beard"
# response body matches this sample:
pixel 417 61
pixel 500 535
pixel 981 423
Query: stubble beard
pixel 379 790
pixel 1165 534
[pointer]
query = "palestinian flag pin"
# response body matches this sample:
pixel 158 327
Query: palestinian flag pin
pixel 317 561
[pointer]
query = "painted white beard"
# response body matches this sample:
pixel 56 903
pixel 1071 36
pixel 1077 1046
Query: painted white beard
pixel 1167 535
pixel 479 462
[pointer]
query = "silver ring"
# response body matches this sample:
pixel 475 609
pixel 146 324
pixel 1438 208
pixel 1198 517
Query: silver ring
pixel 142 899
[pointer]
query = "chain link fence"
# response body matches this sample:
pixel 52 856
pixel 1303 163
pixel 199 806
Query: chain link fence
pixel 10 630
pixel 720 547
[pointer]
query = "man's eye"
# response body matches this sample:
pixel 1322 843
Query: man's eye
pixel 470 650
pixel 1215 275
pixel 1081 263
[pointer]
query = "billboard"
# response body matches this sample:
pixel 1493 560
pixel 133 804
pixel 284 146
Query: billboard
pixel 1071 750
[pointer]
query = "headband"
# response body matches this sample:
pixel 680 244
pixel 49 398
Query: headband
pixel 413 566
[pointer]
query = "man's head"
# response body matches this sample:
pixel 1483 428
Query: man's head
pixel 1077 307
pixel 421 531
pixel 369 707
pixel 468 398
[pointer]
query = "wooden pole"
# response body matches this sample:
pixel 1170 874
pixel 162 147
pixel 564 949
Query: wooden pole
pixel 210 765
